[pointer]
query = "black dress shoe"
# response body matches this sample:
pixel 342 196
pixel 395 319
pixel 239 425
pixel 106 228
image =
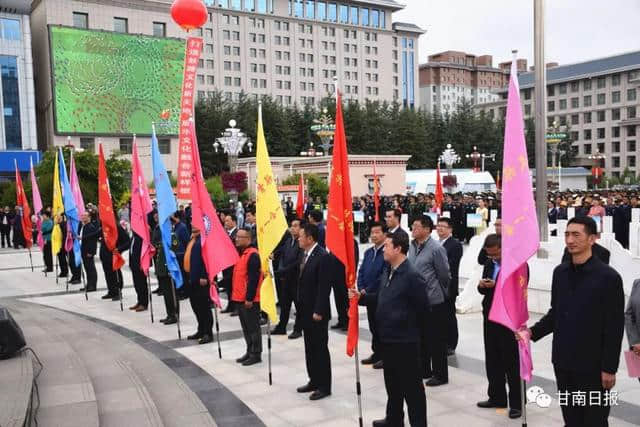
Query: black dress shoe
pixel 451 352
pixel 339 325
pixel 106 296
pixel 61 276
pixel 307 388
pixel 229 309
pixel 233 313
pixel 157 291
pixel 205 339
pixel 252 360
pixel 489 404
pixel 243 358
pixel 381 423
pixel 319 394
pixel 378 365
pixel 279 331
pixel 171 321
pixel 515 413
pixel 434 382
pixel 115 298
pixel 370 360
pixel 295 334
pixel 88 289
pixel 75 281
pixel 195 336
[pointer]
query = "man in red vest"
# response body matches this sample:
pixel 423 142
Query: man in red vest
pixel 246 296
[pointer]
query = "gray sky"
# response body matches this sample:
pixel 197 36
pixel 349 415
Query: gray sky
pixel 576 30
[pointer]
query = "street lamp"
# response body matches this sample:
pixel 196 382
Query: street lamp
pixel 325 129
pixel 311 152
pixel 232 142
pixel 476 157
pixel 449 157
pixel 596 170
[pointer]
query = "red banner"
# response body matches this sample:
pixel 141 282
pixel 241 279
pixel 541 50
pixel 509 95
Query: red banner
pixel 185 161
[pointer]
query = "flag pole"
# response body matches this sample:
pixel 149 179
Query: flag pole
pixel 68 271
pixel 523 398
pixel 175 308
pixel 84 283
pixel 150 299
pixel 30 260
pixel 215 312
pixel 56 267
pixel 120 285
pixel 269 330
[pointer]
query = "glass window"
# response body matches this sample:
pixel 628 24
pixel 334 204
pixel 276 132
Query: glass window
pixel 223 3
pixel 563 104
pixel 615 80
pixel 120 25
pixel 332 12
pixel 615 132
pixel 310 11
pixel 11 101
pixel 262 6
pixel 354 15
pixel 298 8
pixel 631 112
pixel 575 86
pixel 551 105
pixel 236 4
pixel 602 116
pixel 575 102
pixel 375 18
pixel 587 84
pixel 587 101
pixel 562 88
pixel 615 96
pixel 164 145
pixel 602 82
pixel 80 20
pixel 125 145
pixel 344 14
pixel 631 94
pixel 631 146
pixel 249 5
pixel 159 29
pixel 322 11
pixel 88 144
pixel 364 16
pixel 601 98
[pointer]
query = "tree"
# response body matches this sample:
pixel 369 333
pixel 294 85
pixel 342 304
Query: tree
pixel 316 186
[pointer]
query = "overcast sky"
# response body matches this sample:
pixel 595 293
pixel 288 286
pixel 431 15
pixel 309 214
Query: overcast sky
pixel 576 30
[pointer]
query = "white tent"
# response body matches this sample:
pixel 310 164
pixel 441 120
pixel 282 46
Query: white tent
pixel 424 181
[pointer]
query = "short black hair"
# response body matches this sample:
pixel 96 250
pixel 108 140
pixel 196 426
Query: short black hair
pixel 589 224
pixel 445 220
pixel 251 211
pixel 377 224
pixel 400 240
pixel 233 217
pixel 493 241
pixel 396 212
pixel 316 215
pixel 425 221
pixel 300 220
pixel 311 230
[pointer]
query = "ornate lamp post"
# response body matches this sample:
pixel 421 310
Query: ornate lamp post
pixel 596 170
pixel 449 157
pixel 325 129
pixel 476 157
pixel 232 142
pixel 311 152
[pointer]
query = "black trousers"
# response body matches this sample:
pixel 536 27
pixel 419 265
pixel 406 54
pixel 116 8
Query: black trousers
pixel 199 300
pixel 403 382
pixel 289 295
pixel 171 306
pixel 62 262
pixel 5 231
pixel 341 298
pixel 227 284
pixel 590 383
pixel 250 323
pixel 452 335
pixel 75 270
pixel 47 255
pixel 90 270
pixel 502 362
pixel 375 340
pixel 111 277
pixel 185 289
pixel 434 342
pixel 316 351
pixel 140 285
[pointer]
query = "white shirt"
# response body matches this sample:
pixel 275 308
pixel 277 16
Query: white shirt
pixel 446 238
pixel 394 230
pixel 309 252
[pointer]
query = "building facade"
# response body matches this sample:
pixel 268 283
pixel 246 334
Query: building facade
pixel 596 102
pixel 17 101
pixel 451 78
pixel 289 49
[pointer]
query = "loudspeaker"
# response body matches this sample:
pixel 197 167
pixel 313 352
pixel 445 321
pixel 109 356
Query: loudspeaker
pixel 11 336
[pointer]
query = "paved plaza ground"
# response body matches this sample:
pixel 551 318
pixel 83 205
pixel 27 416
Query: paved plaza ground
pixel 177 382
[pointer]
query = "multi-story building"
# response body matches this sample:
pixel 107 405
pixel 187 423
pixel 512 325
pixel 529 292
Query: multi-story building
pixel 597 101
pixel 289 49
pixel 17 102
pixel 450 78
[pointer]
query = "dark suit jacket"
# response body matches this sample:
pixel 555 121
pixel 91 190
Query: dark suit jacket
pixel 599 252
pixel 454 255
pixel 198 270
pixel 122 245
pixel 90 234
pixel 552 215
pixel 289 262
pixel 315 286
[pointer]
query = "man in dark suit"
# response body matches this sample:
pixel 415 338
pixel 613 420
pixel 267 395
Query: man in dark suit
pixel 400 300
pixel 392 218
pixel 598 251
pixel 199 298
pixel 621 221
pixel 139 278
pixel 482 255
pixel 88 236
pixel 250 223
pixel 6 220
pixel 586 319
pixel 500 347
pixel 315 218
pixel 315 313
pixel 454 255
pixel 288 270
pixel 113 277
pixel 230 225
pixel 339 287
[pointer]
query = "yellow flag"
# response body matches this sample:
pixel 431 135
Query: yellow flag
pixel 57 209
pixel 270 220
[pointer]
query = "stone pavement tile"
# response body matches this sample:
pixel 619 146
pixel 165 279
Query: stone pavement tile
pixel 308 414
pixel 64 394
pixel 125 418
pixel 191 420
pixel 83 414
pixel 124 399
pixel 461 419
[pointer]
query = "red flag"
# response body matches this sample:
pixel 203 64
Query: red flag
pixel 107 216
pixel 26 212
pixel 340 221
pixel 218 251
pixel 376 192
pixel 300 201
pixel 439 192
pixel 140 209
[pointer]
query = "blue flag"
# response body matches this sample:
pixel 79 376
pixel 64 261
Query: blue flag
pixel 70 209
pixel 166 208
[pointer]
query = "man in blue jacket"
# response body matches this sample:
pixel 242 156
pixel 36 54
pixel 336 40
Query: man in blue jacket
pixel 368 282
pixel 401 300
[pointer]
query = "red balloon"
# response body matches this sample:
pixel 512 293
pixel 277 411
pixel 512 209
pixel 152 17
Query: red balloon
pixel 189 14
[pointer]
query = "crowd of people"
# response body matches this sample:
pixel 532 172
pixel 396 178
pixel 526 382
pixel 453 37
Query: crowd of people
pixel 407 285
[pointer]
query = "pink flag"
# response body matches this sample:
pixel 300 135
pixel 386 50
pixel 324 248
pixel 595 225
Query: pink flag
pixel 37 204
pixel 520 238
pixel 140 209
pixel 75 188
pixel 217 249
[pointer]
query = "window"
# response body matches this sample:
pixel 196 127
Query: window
pixel 602 98
pixel 615 114
pixel 200 63
pixel 332 12
pixel 587 117
pixel 631 112
pixel 575 119
pixel 236 4
pixel 615 80
pixel 120 25
pixel 631 130
pixel 126 145
pixel 159 29
pixel 226 35
pixel 227 50
pixel 310 9
pixel 631 146
pixel 164 145
pixel 575 102
pixel 601 133
pixel 527 107
pixel 563 103
pixel 587 134
pixel 587 101
pixel 615 132
pixel 364 16
pixel 210 64
pixel 551 105
pixel 88 144
pixel 344 14
pixel 298 8
pixel 236 66
pixel 209 33
pixel 262 6
pixel 601 115
pixel 354 15
pixel 235 35
pixel 615 146
pixel 322 11
pixel 249 5
pixel 80 20
pixel 236 51
pixel 375 18
pixel 200 78
pixel 562 89
pixel 631 94
pixel 575 86
pixel 601 82
pixel 587 149
pixel 550 90
pixel 227 81
pixel 615 97
pixel 587 84
pixel 631 161
pixel 208 48
pixel 210 80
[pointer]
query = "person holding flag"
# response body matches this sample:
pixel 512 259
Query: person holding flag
pixel 37 204
pixel 25 218
pixel 72 221
pixel 75 257
pixel 57 211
